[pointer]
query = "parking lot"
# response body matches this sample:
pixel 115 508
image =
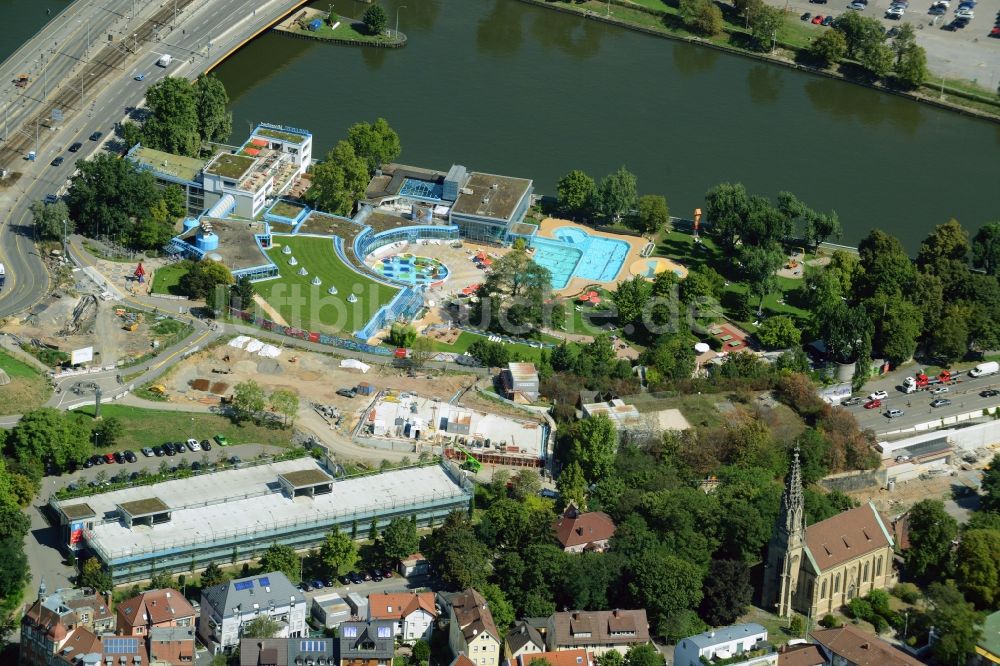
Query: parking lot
pixel 968 53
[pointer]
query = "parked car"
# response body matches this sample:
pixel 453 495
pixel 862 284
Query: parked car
pixel 902 458
pixel 356 578
pixel 96 136
pixel 235 460
pixel 893 413
pixel 140 77
pixel 817 19
pixel 158 451
pixel 853 400
pixel 193 445
pixel 345 579
pixel 130 456
pixel 221 440
pixel 828 20
pixel 347 392
pixel 148 452
pixel 939 390
pixel 856 6
pixel 109 458
pixel 306 587
pixel 806 16
pixel 97 460
pixel 179 447
pixel 873 404
pixel 206 445
pixel 377 576
pixel 318 584
pixel 88 463
pixel 937 11
pixel 168 448
pixel 940 402
pixel 989 393
pixel 878 395
pixel 75 147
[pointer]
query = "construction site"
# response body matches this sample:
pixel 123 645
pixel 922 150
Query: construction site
pixel 65 321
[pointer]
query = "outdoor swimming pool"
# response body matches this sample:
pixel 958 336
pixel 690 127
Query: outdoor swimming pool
pixel 411 269
pixel 575 253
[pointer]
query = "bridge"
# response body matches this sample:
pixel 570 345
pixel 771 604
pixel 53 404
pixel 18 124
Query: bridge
pixel 80 70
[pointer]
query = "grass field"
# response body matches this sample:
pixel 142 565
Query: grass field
pixel 465 340
pixel 150 427
pixel 308 307
pixel 28 389
pixel 166 278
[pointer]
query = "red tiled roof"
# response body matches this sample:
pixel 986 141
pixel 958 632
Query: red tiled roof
pixel 161 606
pixel 398 605
pixel 574 528
pixel 845 536
pixel 801 655
pixel 862 649
pixel 573 657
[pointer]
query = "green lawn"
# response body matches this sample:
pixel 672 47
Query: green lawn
pixel 150 427
pixel 308 307
pixel 166 278
pixel 465 340
pixel 28 388
pixel 348 29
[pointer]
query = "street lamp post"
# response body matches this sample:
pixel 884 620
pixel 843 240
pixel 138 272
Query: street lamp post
pixel 64 239
pixel 397 20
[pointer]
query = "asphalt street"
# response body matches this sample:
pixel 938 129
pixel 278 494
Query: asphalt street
pixel 204 33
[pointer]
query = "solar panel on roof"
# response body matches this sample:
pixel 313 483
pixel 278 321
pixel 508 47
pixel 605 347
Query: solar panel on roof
pixel 312 646
pixel 243 584
pixel 121 645
pixel 263 582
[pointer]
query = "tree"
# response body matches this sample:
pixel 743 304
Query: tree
pixel 94 575
pixel 990 499
pixel 575 193
pixel 261 626
pixel 949 340
pixel 653 215
pixel 421 654
pixel 341 179
pixel 279 557
pixel 630 298
pixel 702 16
pixel 48 219
pixel 400 539
pixel 830 47
pixel 107 194
pixel 47 436
pixel 760 265
pixel 376 143
pixel 764 24
pixel 454 550
pixel 490 354
pixel 242 292
pixel 617 194
pixel 421 351
pixel 898 325
pixel 643 654
pixel 860 32
pixel 338 553
pixel 154 228
pixel 778 332
pixel 212 575
pixel 945 253
pixel 726 205
pixel 673 356
pixel 402 335
pixel 977 567
pixel 931 532
pixel 572 486
pixel 726 593
pixel 956 622
pixel 248 400
pixel 286 403
pixel 911 69
pixel 681 625
pixel 204 277
pixel 986 248
pixel 821 227
pixel 885 266
pixel 215 120
pixel 513 295
pixel 107 431
pixel 877 59
pixel 662 583
pixel 375 19
pixel 500 608
pixel 524 484
pixel 594 445
pixel 173 122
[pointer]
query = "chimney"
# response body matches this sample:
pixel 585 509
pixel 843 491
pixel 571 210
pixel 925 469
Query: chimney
pixel 168 594
pixel 866 646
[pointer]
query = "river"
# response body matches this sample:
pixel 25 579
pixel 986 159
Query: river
pixel 505 87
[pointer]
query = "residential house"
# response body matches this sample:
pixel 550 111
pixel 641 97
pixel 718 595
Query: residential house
pixel 366 644
pixel 84 648
pixel 64 618
pixel 226 608
pixel 817 569
pixel 155 608
pixel 330 609
pixel 172 645
pixel 412 614
pixel 520 382
pixel 288 651
pixel 522 639
pixel 620 414
pixel 805 654
pixel 749 640
pixel 472 631
pixel 461 660
pixel 578 531
pixel 988 646
pixel 574 657
pixel 597 631
pixel 414 565
pixel 849 646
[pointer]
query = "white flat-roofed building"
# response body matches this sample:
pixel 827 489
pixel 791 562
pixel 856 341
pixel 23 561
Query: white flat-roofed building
pixel 494 438
pixel 233 515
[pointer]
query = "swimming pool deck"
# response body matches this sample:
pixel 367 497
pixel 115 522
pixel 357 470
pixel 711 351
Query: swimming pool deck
pixel 578 284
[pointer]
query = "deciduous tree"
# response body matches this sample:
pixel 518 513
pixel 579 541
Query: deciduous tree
pixel 576 193
pixel 248 400
pixel 617 194
pixel 261 626
pixel 48 219
pixel 986 248
pixel 977 566
pixel 400 539
pixel 279 557
pixel 594 444
pixel 931 532
pixel 338 553
pixel 726 206
pixel 376 143
pixel 778 332
pixel 215 120
pixel 173 122
pixel 340 180
pixel 957 624
pixel 652 215
pixel 212 575
pixel 830 46
pixel 286 403
pixel 375 19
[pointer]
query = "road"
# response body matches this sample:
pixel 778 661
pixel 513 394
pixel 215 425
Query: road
pixel 964 396
pixel 92 87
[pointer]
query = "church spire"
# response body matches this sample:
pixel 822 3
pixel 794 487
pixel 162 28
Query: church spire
pixel 793 504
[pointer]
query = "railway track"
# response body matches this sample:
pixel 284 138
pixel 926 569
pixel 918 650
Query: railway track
pixel 72 93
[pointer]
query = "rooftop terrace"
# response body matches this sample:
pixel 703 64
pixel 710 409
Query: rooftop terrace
pixel 230 166
pixel 178 166
pixel 289 137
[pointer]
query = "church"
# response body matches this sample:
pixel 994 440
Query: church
pixel 817 569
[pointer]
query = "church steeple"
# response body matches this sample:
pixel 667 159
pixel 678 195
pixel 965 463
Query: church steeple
pixel 785 551
pixel 793 503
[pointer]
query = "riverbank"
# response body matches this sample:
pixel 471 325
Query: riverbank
pixel 344 30
pixel 656 18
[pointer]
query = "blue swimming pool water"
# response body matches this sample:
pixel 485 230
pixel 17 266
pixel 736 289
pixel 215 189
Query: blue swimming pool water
pixel 575 253
pixel 406 270
pixel 421 189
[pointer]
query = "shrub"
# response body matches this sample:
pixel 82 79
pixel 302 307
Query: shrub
pixel 829 621
pixel 907 592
